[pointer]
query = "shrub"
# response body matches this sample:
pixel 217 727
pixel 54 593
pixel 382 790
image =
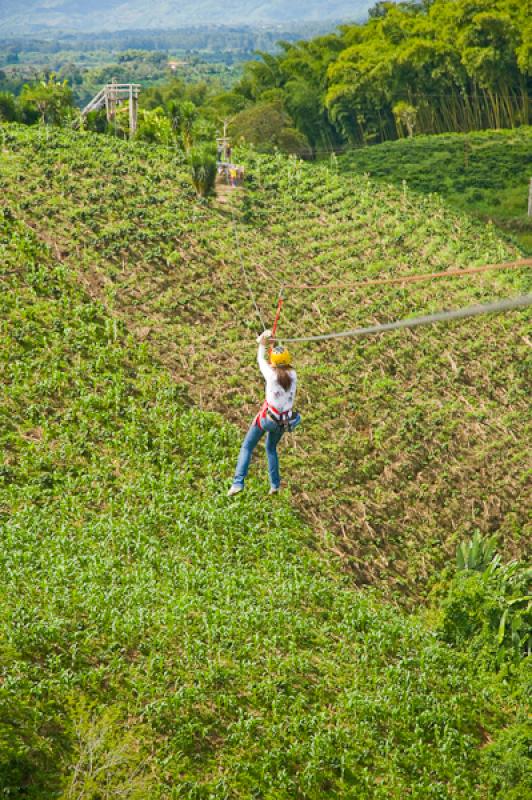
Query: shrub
pixel 405 117
pixel 154 127
pixel 487 607
pixel 476 554
pixel 202 161
pixel 96 121
pixel 32 741
pixel 508 764
pixel 53 100
pixel 267 126
pixel 292 141
pixel 8 109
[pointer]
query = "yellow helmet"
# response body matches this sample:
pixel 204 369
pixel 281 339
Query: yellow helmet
pixel 280 357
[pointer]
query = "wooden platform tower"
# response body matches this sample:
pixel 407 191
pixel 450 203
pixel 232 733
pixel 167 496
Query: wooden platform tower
pixel 111 96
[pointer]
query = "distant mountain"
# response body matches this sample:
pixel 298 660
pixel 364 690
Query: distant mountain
pixel 34 16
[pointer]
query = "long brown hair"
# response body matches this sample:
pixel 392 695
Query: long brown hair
pixel 284 376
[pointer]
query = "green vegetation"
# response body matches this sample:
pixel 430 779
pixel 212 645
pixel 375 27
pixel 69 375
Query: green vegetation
pixel 269 122
pixel 51 99
pixel 426 431
pixel 48 101
pixel 485 173
pixel 203 168
pixel 214 54
pixel 365 634
pixel 412 68
pixel 425 67
pixel 158 640
pixel 148 69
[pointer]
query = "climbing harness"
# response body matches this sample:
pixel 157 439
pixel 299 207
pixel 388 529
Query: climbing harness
pixel 287 420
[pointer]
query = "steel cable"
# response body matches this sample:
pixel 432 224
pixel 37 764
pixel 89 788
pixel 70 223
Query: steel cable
pixel 244 272
pixel 429 319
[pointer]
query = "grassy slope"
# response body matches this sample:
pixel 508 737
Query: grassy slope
pixel 486 173
pixel 411 440
pixel 160 641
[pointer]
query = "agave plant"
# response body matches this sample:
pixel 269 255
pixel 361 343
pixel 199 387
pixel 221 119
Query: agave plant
pixel 476 554
pixel 202 162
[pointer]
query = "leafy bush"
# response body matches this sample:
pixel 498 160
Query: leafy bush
pixel 202 162
pixel 52 99
pixel 487 613
pixel 268 126
pixel 96 121
pixel 154 126
pixel 507 763
pixel 488 607
pixel 8 109
pixel 33 743
pixel 405 117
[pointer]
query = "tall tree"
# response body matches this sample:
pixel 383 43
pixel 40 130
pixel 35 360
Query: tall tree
pixel 52 99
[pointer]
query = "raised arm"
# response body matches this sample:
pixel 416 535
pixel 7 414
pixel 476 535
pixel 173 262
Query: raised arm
pixel 262 358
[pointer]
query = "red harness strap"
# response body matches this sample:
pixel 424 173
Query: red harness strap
pixel 276 320
pixel 263 413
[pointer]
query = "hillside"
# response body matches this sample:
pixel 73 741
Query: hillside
pixel 159 641
pixel 82 15
pixel 485 173
pixel 425 431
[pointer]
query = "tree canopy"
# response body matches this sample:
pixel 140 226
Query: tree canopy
pixel 425 67
pixel 52 99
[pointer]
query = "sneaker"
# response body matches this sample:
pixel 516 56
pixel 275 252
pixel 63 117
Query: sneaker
pixel 234 490
pixel 275 490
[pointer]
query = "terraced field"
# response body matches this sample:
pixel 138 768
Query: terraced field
pixel 411 440
pixel 485 173
pixel 159 641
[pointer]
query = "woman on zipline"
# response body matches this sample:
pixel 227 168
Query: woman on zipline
pixel 275 417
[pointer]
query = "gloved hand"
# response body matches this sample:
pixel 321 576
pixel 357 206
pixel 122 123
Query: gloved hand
pixel 264 336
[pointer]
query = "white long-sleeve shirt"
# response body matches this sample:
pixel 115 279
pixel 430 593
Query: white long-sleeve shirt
pixel 276 396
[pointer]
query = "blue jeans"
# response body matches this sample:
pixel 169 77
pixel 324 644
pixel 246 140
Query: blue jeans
pixel 273 433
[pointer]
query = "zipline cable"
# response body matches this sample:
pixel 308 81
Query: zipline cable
pixel 450 273
pixel 413 322
pixel 454 273
pixel 277 315
pixel 244 272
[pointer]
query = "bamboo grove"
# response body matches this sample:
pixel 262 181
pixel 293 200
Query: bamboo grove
pixel 427 67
